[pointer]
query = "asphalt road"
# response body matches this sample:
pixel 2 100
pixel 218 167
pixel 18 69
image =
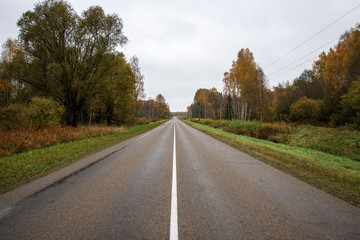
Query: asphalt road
pixel 126 193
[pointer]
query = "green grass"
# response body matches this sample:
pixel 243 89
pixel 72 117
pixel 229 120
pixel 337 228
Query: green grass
pixel 23 167
pixel 341 141
pixel 338 141
pixel 337 175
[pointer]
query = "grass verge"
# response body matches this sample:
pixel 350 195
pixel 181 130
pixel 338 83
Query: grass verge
pixel 337 141
pixel 23 167
pixel 339 176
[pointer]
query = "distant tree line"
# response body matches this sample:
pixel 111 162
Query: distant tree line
pixel 70 61
pixel 154 108
pixel 329 93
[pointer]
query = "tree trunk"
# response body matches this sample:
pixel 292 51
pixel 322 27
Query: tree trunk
pixel 109 114
pixel 91 112
pixel 249 113
pixel 71 117
pixel 72 112
pixel 245 110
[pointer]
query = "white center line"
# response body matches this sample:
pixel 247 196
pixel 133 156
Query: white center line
pixel 173 216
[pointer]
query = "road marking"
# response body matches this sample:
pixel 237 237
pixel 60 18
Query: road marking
pixel 173 216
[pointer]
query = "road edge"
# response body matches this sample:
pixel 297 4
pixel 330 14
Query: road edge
pixel 14 196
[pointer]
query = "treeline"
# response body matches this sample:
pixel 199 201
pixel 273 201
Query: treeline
pixel 329 93
pixel 64 67
pixel 154 108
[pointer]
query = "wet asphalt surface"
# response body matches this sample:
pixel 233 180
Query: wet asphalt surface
pixel 222 194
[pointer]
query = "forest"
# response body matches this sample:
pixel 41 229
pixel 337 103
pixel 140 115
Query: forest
pixel 326 95
pixel 65 69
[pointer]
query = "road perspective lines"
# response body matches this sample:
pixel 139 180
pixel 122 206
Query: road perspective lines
pixel 175 183
pixel 174 217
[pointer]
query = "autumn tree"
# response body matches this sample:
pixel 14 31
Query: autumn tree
pixel 215 103
pixel 231 91
pixel 11 89
pixel 351 103
pixel 201 98
pixel 327 93
pixel 246 83
pixel 139 92
pixel 113 99
pixel 208 103
pixel 155 108
pixel 161 106
pixel 317 83
pixel 188 112
pixel 67 55
pixel 6 90
pixel 302 84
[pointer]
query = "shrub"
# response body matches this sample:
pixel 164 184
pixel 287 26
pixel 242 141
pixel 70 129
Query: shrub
pixel 208 121
pixel 13 117
pixel 269 129
pixel 223 124
pixel 249 128
pixel 306 110
pixel 44 112
pixel 40 112
pixel 197 120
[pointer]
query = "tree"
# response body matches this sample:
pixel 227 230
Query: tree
pixel 246 83
pixel 67 55
pixel 303 84
pixel 11 90
pixel 6 91
pixel 228 108
pixel 336 71
pixel 317 84
pixel 283 98
pixel 201 98
pixel 188 112
pixel 139 92
pixel 161 106
pixel 157 108
pixel 113 99
pixel 351 104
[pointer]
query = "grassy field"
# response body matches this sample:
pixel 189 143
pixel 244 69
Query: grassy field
pixel 20 168
pixel 337 175
pixel 338 141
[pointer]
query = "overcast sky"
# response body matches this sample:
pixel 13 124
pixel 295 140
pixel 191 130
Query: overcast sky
pixel 188 44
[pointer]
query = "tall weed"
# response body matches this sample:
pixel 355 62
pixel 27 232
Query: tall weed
pixel 248 128
pixel 17 141
pixel 270 129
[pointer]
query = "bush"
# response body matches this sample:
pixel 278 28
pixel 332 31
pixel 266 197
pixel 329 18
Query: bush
pixel 223 124
pixel 40 112
pixel 208 121
pixel 13 117
pixel 249 128
pixel 44 112
pixel 197 120
pixel 269 129
pixel 306 110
